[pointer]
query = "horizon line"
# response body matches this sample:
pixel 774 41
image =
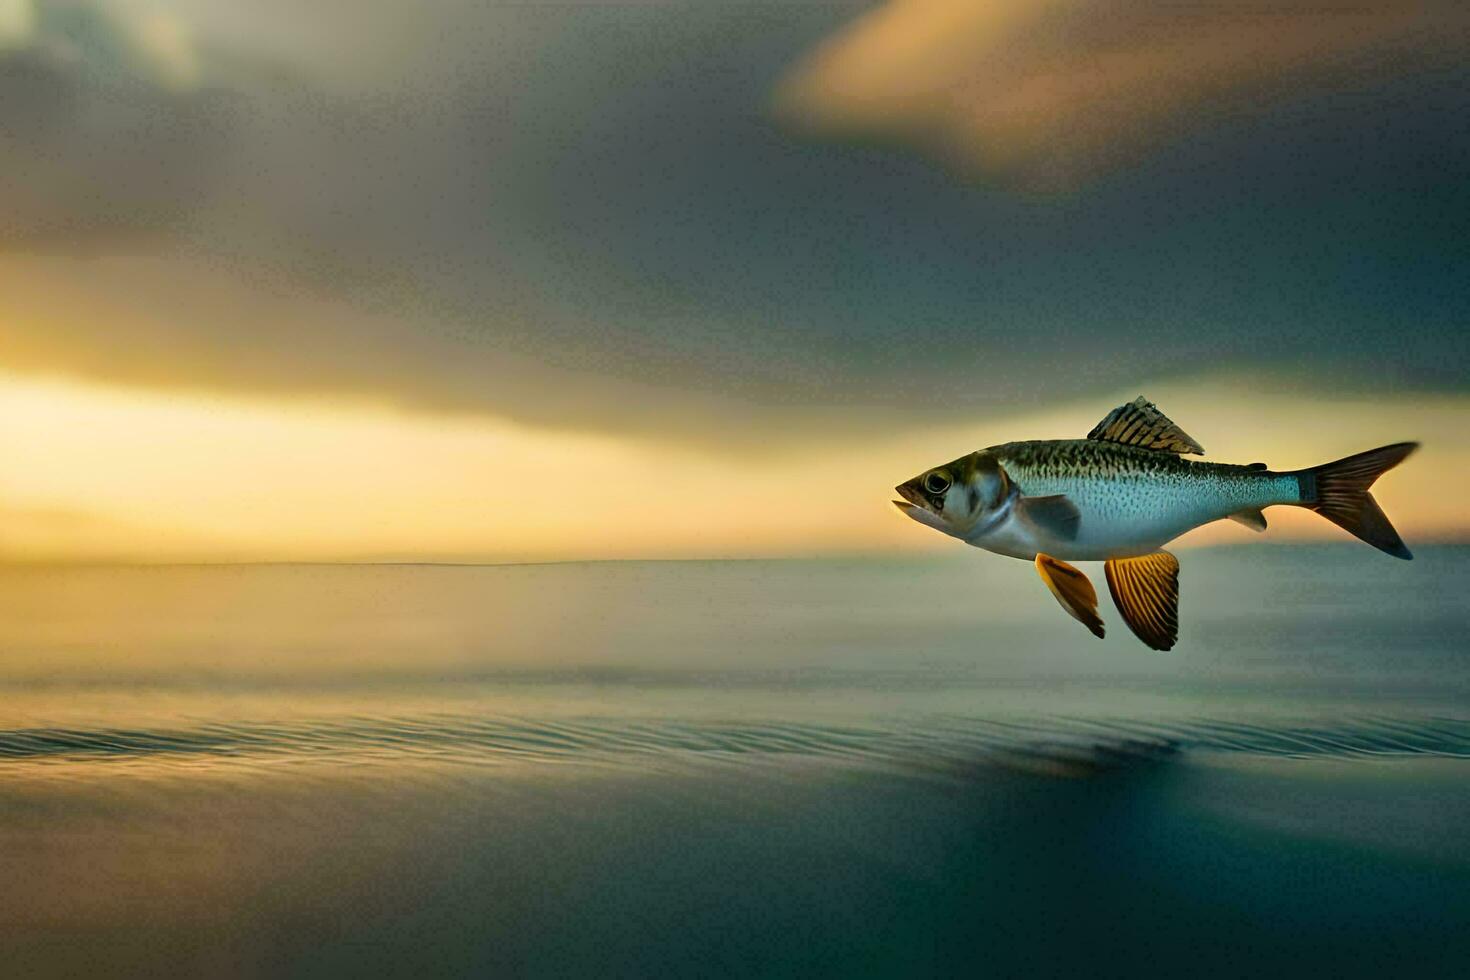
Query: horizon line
pixel 1449 542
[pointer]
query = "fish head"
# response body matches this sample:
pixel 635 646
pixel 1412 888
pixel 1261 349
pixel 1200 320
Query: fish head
pixel 958 497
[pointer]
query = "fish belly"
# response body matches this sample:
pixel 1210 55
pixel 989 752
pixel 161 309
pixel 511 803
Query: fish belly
pixel 1103 535
pixel 1017 540
pixel 1121 518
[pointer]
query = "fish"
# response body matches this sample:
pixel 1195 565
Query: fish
pixel 1122 493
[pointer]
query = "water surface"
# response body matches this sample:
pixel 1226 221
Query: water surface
pixel 837 767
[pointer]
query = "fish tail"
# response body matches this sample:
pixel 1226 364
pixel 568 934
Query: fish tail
pixel 1339 492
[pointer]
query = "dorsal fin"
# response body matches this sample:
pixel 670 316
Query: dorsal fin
pixel 1140 423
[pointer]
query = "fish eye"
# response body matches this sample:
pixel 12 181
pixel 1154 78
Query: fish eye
pixel 936 482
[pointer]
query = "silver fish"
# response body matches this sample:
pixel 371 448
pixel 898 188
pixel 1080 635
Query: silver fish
pixel 1119 496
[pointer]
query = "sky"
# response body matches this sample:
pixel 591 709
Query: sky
pixel 468 281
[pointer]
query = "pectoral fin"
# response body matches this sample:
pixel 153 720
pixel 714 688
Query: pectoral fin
pixel 1073 591
pixel 1056 516
pixel 1146 592
pixel 1253 519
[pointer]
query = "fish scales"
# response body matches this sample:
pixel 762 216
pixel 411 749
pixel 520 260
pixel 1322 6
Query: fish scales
pixel 1134 500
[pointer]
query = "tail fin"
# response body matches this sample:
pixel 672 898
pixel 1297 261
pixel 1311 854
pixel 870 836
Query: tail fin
pixel 1339 492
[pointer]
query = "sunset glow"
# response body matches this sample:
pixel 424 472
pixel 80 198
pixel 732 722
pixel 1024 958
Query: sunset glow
pixel 104 473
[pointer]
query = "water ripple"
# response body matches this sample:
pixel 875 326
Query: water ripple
pixel 1089 741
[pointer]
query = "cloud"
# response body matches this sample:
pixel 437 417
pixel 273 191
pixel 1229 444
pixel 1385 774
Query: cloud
pixel 1055 91
pixel 17 22
pixel 582 216
pixel 108 134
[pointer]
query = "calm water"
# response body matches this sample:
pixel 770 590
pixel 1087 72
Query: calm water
pixel 843 768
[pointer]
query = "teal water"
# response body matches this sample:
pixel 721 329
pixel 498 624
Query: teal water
pixel 817 768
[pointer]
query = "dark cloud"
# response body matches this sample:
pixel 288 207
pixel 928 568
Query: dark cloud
pixel 105 137
pixel 585 216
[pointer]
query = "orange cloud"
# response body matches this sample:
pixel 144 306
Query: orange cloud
pixel 1051 91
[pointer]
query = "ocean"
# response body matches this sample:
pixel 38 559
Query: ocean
pixel 838 767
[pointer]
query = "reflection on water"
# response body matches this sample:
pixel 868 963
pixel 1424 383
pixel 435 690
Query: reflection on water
pixel 832 767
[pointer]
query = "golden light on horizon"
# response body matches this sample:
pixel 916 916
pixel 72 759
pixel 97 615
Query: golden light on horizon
pixel 108 473
pixel 102 472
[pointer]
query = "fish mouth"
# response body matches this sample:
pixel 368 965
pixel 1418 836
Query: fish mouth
pixel 914 506
pixel 910 495
pixel 923 515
